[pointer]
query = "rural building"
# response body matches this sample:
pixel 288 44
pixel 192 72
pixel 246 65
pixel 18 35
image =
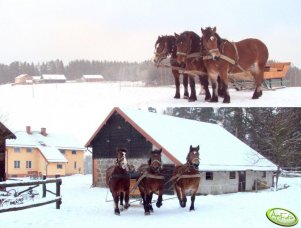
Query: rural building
pixel 4 134
pixel 23 79
pixel 41 153
pixel 227 164
pixel 92 78
pixel 53 78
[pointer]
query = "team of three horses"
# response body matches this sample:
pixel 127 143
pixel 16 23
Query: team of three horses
pixel 211 57
pixel 151 180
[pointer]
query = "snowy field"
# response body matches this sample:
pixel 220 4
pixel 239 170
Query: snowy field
pixel 68 107
pixel 84 206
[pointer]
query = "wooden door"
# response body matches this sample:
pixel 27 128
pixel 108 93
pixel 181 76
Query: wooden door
pixel 241 181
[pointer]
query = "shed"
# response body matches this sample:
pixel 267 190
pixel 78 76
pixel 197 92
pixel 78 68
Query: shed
pixel 5 133
pixel 227 164
pixel 23 79
pixel 92 78
pixel 53 78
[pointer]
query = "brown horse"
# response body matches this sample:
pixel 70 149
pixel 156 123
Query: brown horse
pixel 191 53
pixel 187 177
pixel 233 57
pixel 118 180
pixel 151 180
pixel 166 46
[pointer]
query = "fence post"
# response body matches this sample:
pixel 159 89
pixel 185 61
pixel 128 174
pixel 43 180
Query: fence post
pixel 44 187
pixel 58 193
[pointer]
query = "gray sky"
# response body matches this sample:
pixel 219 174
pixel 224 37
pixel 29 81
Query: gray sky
pixel 126 30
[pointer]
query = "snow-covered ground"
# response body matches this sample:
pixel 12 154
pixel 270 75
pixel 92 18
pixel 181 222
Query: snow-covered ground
pixel 84 206
pixel 79 108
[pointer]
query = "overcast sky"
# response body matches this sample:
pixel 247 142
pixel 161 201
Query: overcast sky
pixel 126 30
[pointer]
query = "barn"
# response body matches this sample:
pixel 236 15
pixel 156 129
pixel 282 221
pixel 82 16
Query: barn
pixel 227 164
pixel 23 79
pixel 53 78
pixel 4 134
pixel 92 78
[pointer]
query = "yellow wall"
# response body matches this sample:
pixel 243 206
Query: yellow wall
pixel 39 164
pixel 72 158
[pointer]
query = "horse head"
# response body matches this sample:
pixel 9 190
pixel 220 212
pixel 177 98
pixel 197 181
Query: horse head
pixel 155 162
pixel 121 157
pixel 210 42
pixel 193 157
pixel 186 43
pixel 164 46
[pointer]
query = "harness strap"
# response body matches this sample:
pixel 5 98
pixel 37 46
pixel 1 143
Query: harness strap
pixel 144 175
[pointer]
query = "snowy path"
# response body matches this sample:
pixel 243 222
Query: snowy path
pixel 86 207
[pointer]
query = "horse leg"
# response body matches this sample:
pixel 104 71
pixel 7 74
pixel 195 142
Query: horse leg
pixel 224 79
pixel 193 192
pixel 205 84
pixel 150 202
pixel 192 89
pixel 116 199
pixel 178 191
pixel 184 199
pixel 185 83
pixel 147 203
pixel 159 201
pixel 176 76
pixel 220 88
pixel 121 200
pixel 258 76
pixel 127 199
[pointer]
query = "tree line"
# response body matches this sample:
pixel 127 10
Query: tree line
pixel 273 132
pixel 111 70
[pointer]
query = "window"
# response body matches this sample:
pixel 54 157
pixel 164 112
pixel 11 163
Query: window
pixel 209 175
pixel 28 164
pixel 63 151
pixel 17 164
pixel 75 165
pixel 264 174
pixel 232 175
pixel 59 166
pixel 29 149
pixel 73 151
pixel 17 149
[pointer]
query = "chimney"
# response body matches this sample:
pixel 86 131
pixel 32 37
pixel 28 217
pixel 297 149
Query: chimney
pixel 43 131
pixel 28 130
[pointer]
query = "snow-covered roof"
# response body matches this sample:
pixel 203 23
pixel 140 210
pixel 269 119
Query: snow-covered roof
pixel 48 145
pixel 53 76
pixel 23 75
pixel 52 154
pixel 90 76
pixel 219 149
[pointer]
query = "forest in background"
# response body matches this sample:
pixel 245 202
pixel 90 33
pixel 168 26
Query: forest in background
pixel 111 70
pixel 273 132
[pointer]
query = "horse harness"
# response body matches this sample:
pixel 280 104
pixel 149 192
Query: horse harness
pixel 180 176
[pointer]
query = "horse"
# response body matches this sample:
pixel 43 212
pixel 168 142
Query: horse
pixel 224 57
pixel 187 177
pixel 118 180
pixel 151 180
pixel 164 47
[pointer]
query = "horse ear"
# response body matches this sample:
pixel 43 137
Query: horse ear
pixel 160 150
pixel 214 30
pixel 203 30
pixel 198 148
pixel 190 147
pixel 176 35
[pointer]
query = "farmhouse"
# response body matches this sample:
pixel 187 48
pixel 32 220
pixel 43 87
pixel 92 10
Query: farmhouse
pixel 23 79
pixel 37 153
pixel 92 78
pixel 4 134
pixel 227 164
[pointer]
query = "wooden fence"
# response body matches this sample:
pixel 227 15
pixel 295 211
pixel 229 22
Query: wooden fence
pixel 34 184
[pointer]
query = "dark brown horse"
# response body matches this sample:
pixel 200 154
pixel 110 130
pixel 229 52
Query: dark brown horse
pixel 249 55
pixel 118 180
pixel 150 181
pixel 187 177
pixel 190 52
pixel 166 46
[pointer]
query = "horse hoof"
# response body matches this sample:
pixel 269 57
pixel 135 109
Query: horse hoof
pixel 191 209
pixel 177 97
pixel 146 213
pixel 117 213
pixel 158 205
pixel 186 97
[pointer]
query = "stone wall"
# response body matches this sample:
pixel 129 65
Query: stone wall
pixel 101 165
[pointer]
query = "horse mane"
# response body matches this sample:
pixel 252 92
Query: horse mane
pixel 195 40
pixel 171 43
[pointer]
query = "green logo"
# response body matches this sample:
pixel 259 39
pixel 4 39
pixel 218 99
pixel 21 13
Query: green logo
pixel 282 217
